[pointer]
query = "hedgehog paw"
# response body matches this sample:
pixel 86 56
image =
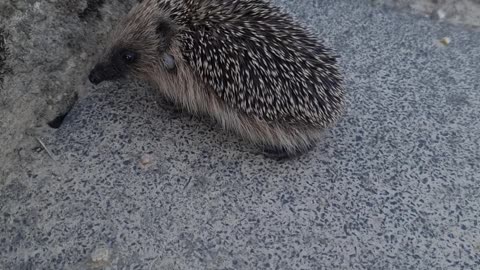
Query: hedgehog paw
pixel 169 105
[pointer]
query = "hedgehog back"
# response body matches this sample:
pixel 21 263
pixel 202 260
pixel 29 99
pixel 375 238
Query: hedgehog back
pixel 261 62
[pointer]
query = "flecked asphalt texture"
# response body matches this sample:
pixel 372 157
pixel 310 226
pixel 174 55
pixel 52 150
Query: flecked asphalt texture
pixel 395 185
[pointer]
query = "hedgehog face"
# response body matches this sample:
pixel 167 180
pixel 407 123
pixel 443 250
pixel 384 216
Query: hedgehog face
pixel 139 46
pixel 120 61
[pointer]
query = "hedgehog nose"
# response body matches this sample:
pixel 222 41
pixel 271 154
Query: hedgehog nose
pixel 94 78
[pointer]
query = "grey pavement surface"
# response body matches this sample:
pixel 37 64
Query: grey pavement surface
pixel 395 185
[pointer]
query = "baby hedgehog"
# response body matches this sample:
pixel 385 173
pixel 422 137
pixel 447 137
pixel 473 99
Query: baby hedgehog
pixel 245 63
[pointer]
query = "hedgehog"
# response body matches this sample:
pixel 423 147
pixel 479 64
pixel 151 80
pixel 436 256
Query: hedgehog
pixel 247 64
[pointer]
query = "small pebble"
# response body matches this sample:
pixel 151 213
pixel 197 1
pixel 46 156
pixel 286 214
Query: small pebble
pixel 445 41
pixel 440 14
pixel 146 160
pixel 101 254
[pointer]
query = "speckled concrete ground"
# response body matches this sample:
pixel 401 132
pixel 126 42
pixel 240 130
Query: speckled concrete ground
pixel 396 185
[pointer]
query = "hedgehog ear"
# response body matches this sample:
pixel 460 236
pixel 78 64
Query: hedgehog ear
pixel 169 62
pixel 166 32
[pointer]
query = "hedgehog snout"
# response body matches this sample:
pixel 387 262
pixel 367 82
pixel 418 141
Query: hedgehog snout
pixel 94 77
pixel 103 72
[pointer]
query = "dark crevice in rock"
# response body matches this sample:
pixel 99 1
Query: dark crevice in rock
pixel 58 121
pixel 4 53
pixel 91 9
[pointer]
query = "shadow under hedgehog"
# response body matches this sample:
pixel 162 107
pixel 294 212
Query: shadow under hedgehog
pixel 245 63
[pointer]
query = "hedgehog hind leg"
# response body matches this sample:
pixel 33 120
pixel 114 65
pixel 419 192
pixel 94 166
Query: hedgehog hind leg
pixel 289 142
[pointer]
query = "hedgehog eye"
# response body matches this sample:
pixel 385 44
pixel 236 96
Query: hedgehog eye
pixel 129 57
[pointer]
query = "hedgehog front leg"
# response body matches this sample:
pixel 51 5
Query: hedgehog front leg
pixel 169 105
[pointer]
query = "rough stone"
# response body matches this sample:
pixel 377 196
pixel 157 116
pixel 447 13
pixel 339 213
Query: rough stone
pixel 51 45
